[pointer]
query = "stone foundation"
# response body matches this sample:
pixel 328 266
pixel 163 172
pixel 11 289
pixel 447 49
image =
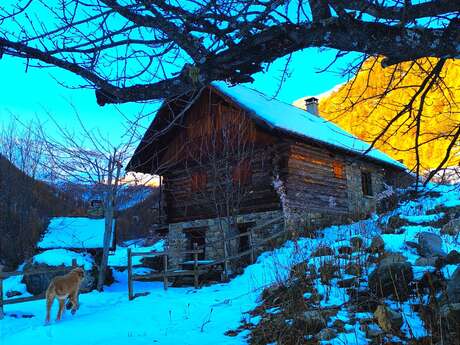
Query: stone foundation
pixel 214 229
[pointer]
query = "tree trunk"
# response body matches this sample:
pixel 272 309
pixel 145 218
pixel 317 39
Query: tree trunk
pixel 112 185
pixel 108 214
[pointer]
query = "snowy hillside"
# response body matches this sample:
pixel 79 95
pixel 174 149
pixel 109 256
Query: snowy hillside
pixel 331 273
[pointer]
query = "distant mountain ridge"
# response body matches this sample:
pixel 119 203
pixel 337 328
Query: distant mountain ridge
pixel 25 207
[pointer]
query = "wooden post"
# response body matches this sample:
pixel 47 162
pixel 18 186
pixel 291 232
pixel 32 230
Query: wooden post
pixel 195 265
pixel 225 273
pixel 130 275
pixel 2 314
pixel 251 244
pixel 165 271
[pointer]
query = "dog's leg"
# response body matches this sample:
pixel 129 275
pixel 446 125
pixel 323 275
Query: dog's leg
pixel 74 300
pixel 49 304
pixel 61 308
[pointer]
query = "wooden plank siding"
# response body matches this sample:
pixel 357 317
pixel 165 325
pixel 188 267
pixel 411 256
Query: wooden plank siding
pixel 313 183
pixel 189 153
pixel 318 178
pixel 184 204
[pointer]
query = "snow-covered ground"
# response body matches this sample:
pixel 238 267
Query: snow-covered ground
pixel 189 316
pixel 175 316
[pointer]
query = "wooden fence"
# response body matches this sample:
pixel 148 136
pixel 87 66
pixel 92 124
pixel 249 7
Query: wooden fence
pixel 5 275
pixel 199 268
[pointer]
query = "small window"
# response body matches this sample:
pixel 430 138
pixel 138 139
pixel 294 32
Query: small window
pixel 366 181
pixel 337 168
pixel 199 181
pixel 196 238
pixel 242 173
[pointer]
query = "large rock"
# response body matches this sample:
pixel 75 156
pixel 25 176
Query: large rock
pixel 38 283
pixel 377 245
pixel 452 227
pixel 453 287
pixel 392 277
pixel 394 224
pixel 313 321
pixel 451 312
pixel 326 334
pixel 430 244
pixel 422 261
pixel 387 319
pixel 323 251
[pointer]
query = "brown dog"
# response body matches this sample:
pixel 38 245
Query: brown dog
pixel 62 287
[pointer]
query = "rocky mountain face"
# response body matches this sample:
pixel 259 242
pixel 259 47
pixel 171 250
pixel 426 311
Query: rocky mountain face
pixel 365 104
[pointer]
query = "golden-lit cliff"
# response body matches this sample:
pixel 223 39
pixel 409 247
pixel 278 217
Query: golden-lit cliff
pixel 359 107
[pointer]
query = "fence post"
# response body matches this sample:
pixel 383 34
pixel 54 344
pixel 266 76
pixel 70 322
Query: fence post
pixel 130 275
pixel 2 314
pixel 195 265
pixel 251 245
pixel 165 271
pixel 225 273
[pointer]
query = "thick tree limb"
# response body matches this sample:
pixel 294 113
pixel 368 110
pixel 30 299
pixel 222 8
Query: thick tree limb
pixel 241 49
pixel 406 13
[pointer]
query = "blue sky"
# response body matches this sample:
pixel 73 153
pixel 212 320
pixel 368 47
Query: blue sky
pixel 38 92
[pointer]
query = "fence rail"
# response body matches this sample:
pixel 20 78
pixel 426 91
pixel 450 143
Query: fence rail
pixel 5 275
pixel 199 268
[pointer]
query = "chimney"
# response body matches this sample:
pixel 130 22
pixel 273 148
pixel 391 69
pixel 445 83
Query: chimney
pixel 311 104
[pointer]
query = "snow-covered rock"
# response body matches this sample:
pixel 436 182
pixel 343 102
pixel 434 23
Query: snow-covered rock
pixel 49 260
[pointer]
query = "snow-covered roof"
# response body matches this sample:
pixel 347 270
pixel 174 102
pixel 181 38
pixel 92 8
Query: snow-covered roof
pixel 76 233
pixel 284 116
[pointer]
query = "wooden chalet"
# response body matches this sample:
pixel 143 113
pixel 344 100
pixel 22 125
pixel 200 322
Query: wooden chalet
pixel 233 159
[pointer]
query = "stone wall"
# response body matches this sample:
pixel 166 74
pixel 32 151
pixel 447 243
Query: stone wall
pixel 361 205
pixel 214 230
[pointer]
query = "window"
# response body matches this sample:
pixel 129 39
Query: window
pixel 366 182
pixel 199 180
pixel 242 173
pixel 196 238
pixel 337 168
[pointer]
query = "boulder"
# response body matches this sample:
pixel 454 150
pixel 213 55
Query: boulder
pixel 313 321
pixel 389 258
pixel 357 243
pixel 430 244
pixel 453 257
pixel 38 283
pixel 345 250
pixel 394 224
pixel 326 334
pixel 13 293
pixel 328 270
pixel 451 312
pixel 410 244
pixel 377 245
pixel 347 283
pixel 372 330
pixel 453 288
pixel 339 325
pixel 451 228
pixel 387 319
pixel 353 269
pixel 323 251
pixel 421 261
pixel 392 277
